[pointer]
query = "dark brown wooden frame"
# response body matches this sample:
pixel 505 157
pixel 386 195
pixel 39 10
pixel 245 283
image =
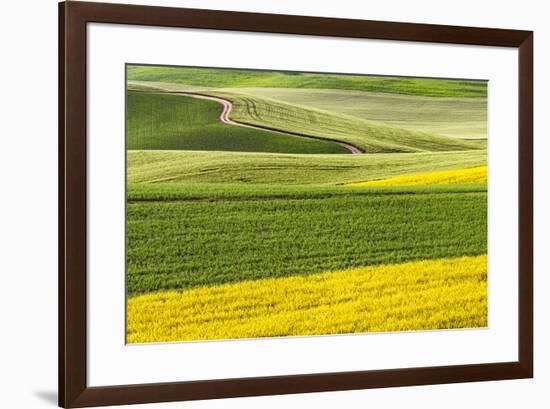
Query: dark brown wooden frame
pixel 73 388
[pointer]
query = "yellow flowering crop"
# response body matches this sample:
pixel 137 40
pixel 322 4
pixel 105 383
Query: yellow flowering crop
pixel 470 175
pixel 420 295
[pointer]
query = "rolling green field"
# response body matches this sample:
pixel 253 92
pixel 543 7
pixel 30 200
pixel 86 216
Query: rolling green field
pixel 448 116
pixel 371 136
pixel 232 78
pixel 241 232
pixel 274 170
pixel 160 122
pixel 211 192
pixel 278 237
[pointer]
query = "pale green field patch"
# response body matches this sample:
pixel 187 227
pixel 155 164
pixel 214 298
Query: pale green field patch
pixel 454 117
pixel 242 167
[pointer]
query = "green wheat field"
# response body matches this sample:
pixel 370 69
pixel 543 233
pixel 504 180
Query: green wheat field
pixel 267 203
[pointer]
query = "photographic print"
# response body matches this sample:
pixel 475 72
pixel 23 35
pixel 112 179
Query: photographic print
pixel 275 203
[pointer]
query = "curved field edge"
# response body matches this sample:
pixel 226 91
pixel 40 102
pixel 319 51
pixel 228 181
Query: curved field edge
pixel 164 121
pixel 371 136
pixel 421 295
pixel 448 116
pixel 257 168
pixel 455 176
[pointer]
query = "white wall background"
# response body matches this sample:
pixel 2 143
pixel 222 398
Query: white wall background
pixel 28 202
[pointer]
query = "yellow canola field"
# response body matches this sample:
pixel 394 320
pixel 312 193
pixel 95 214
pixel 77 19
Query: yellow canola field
pixel 470 175
pixel 421 295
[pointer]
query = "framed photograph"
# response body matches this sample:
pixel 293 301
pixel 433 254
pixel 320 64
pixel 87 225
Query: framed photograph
pixel 255 204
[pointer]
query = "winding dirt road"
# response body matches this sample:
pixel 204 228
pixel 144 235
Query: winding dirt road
pixel 228 107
